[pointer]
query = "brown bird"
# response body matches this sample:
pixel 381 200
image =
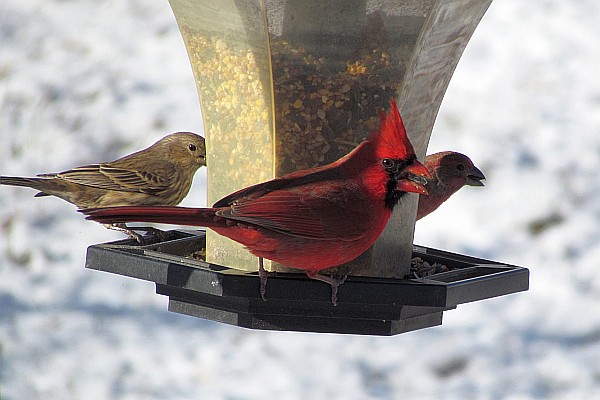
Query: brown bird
pixel 158 175
pixel 450 171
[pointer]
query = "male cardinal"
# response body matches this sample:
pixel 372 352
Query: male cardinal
pixel 450 171
pixel 159 175
pixel 311 219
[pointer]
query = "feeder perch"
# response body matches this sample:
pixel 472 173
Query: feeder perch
pixel 367 306
pixel 291 84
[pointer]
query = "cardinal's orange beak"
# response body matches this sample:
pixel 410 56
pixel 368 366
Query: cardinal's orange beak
pixel 414 179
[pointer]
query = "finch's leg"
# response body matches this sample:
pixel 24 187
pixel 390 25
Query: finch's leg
pixel 334 281
pixel 123 228
pixel 161 235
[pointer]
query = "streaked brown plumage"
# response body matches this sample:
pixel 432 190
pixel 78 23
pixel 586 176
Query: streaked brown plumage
pixel 450 171
pixel 158 175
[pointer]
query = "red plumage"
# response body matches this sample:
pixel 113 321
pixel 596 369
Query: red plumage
pixel 311 219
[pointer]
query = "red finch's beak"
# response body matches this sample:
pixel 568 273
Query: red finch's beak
pixel 414 179
pixel 475 177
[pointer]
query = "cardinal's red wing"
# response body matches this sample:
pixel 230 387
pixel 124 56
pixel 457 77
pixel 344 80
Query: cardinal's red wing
pixel 334 210
pixel 292 181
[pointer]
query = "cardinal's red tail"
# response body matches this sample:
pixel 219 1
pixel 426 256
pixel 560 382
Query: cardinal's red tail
pixel 158 214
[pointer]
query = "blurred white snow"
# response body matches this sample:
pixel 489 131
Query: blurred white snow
pixel 76 86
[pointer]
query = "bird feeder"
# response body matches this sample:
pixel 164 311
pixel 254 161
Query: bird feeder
pixel 286 85
pixel 291 84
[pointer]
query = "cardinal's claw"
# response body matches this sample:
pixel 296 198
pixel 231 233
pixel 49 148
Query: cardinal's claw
pixel 263 274
pixel 333 281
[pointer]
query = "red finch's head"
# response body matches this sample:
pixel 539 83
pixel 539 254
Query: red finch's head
pixel 451 171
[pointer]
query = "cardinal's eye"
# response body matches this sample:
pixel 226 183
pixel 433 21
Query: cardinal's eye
pixel 387 163
pixel 460 167
pixel 192 147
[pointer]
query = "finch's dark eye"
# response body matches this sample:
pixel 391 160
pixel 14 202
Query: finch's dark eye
pixel 387 163
pixel 460 167
pixel 192 147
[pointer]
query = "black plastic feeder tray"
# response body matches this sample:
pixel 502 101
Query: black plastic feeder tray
pixel 367 306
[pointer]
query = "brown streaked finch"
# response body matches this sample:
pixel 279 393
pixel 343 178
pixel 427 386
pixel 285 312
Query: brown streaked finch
pixel 160 175
pixel 450 171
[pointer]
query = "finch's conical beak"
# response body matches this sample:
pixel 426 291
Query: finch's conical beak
pixel 475 177
pixel 414 179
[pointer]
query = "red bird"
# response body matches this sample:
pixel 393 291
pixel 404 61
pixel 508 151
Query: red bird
pixel 311 219
pixel 450 171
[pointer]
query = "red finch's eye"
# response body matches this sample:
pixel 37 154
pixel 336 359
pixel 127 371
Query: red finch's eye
pixel 192 147
pixel 460 167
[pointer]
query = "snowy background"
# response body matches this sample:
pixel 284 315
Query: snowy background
pixel 77 87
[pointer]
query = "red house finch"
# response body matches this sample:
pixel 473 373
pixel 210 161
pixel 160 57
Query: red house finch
pixel 450 171
pixel 311 219
pixel 159 175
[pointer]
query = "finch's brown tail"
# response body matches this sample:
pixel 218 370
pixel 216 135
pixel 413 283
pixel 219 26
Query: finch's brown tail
pixel 34 183
pixel 158 214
